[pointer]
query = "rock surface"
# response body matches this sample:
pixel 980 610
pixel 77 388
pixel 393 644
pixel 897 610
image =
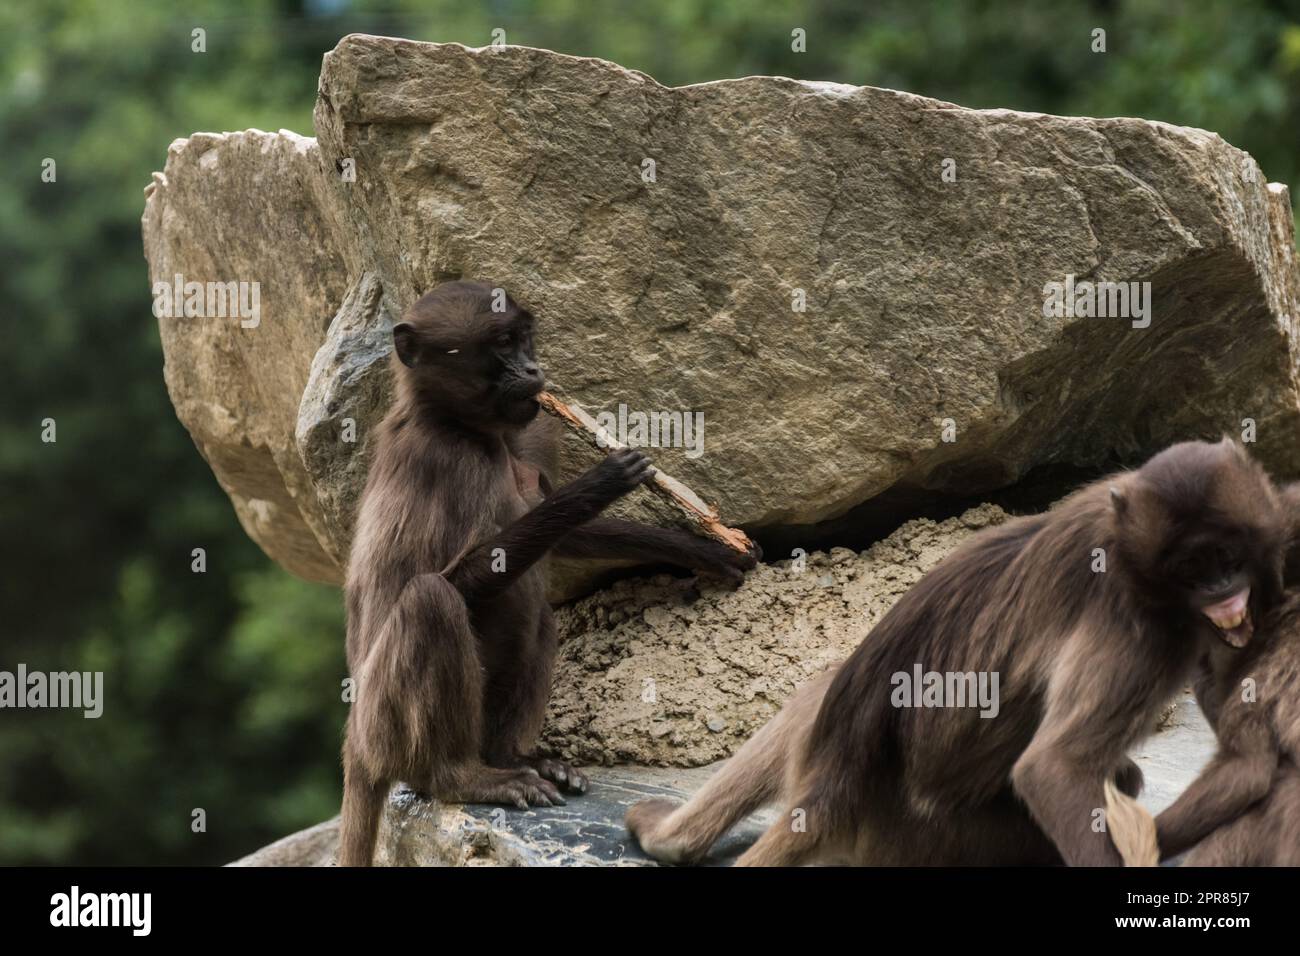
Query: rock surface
pixel 924 296
pixel 346 393
pixel 250 207
pixel 589 831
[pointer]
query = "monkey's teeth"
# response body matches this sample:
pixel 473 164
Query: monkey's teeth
pixel 1229 614
pixel 1239 636
pixel 1232 618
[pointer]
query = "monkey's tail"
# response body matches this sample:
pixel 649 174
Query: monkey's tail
pixel 363 802
pixel 753 777
pixel 1131 828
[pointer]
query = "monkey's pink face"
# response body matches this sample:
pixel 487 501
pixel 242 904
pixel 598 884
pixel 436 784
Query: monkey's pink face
pixel 1201 526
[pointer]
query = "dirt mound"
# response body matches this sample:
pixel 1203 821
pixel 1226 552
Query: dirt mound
pixel 660 671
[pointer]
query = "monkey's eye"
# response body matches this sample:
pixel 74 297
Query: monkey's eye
pixel 1208 568
pixel 1227 560
pixel 1195 567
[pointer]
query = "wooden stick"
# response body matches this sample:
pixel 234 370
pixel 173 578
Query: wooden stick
pixel 702 516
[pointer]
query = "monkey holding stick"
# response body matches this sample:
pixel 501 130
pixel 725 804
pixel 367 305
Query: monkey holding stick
pixel 450 638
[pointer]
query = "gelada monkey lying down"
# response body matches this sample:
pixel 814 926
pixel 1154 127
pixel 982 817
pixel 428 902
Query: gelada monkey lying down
pixel 1193 551
pixel 1244 808
pixel 450 638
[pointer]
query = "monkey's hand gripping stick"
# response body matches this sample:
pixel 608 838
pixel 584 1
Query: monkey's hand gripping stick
pixel 702 516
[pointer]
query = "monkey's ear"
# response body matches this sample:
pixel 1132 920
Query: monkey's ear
pixel 1118 501
pixel 1235 446
pixel 406 343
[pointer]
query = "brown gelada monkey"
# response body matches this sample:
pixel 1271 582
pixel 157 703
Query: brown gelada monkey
pixel 1244 808
pixel 1193 548
pixel 450 638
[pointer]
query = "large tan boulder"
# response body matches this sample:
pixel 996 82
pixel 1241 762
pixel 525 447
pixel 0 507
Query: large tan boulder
pixel 249 207
pixel 924 292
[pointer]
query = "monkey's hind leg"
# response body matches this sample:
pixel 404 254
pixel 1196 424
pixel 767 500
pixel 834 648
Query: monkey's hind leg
pixel 515 698
pixel 782 844
pixel 418 718
pixel 752 778
pixel 420 670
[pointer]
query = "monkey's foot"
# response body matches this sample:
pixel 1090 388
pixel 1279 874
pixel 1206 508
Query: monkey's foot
pixel 521 788
pixel 570 778
pixel 645 821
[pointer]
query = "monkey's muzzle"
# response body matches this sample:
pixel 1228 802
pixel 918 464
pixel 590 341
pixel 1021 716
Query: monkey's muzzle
pixel 1231 617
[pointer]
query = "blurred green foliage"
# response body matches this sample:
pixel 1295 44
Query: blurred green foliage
pixel 223 688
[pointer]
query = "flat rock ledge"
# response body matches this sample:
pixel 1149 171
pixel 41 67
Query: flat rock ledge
pixel 589 831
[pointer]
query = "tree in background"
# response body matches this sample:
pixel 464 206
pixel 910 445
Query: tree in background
pixel 223 688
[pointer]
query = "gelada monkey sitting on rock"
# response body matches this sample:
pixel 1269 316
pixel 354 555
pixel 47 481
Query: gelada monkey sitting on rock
pixel 450 638
pixel 1192 544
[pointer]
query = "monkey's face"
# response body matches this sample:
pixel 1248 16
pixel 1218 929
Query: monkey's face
pixel 1201 525
pixel 1212 571
pixel 468 348
pixel 505 365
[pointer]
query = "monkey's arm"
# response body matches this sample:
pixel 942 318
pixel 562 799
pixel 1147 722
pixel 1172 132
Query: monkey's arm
pixel 489 568
pixel 1092 714
pixel 616 538
pixel 1205 689
pixel 1238 775
pixel 1226 788
pixel 1063 795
